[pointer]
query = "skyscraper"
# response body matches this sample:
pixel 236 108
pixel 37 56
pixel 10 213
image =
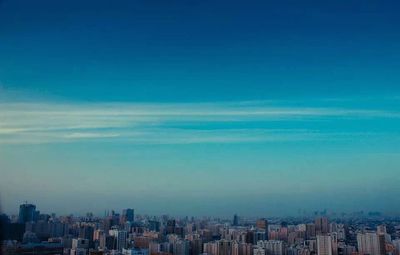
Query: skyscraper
pixel 263 225
pixel 171 224
pixel 235 220
pixel 26 213
pixel 371 243
pixel 324 245
pixel 121 237
pixel 128 215
pixel 321 225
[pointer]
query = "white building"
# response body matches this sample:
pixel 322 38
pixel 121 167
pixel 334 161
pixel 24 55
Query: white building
pixel 370 243
pixel 258 251
pixel 396 244
pixel 324 245
pixel 273 247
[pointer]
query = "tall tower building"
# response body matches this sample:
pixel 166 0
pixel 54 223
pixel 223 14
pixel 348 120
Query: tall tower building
pixel 310 230
pixel 181 247
pixel 128 215
pixel 324 245
pixel 26 213
pixel 121 237
pixel 171 224
pixel 370 243
pixel 321 225
pixel 235 220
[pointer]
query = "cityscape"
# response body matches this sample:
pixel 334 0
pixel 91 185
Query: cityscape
pixel 199 127
pixel 127 233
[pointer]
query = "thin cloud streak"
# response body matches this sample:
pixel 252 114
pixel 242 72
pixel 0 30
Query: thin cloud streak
pixel 145 122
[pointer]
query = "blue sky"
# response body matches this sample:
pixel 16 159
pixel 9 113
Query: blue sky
pixel 198 107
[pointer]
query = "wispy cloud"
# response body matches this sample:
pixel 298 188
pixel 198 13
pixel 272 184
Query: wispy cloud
pixel 147 122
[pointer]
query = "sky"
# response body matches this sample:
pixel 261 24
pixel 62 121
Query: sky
pixel 260 108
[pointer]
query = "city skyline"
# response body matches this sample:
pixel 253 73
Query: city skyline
pixel 128 233
pixel 200 108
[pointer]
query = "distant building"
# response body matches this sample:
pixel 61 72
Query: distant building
pixel 235 220
pixel 242 248
pixel 310 231
pixel 181 247
pixel 258 251
pixel 135 251
pixel 262 224
pixel 154 225
pixel 128 215
pixel 321 225
pixel 39 248
pixel 27 213
pixel 273 247
pixel 80 243
pixel 171 224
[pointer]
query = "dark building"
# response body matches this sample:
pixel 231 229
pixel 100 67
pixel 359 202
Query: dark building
pixel 235 220
pixel 15 231
pixel 196 246
pixel 250 237
pixel 321 225
pixel 154 225
pixel 171 226
pixel 179 231
pixel 86 232
pixel 40 248
pixel 27 213
pixel 111 242
pixel 128 215
pixel 4 226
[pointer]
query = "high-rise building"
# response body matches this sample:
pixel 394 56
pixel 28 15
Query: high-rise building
pixel 211 248
pixel 321 225
pixel 259 236
pixel 262 224
pixel 224 247
pixel 324 245
pixel 273 247
pixel 128 215
pixel 171 226
pixel 121 237
pixel 27 213
pixel 235 220
pixel 80 243
pixel 259 250
pixel 181 247
pixel 370 243
pixel 135 251
pixel 86 232
pixel 242 248
pixel 154 225
pixel 196 246
pixel 396 244
pixel 310 230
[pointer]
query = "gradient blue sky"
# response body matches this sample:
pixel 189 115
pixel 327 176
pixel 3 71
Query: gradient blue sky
pixel 200 107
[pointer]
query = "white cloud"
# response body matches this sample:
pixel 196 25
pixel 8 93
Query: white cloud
pixel 90 135
pixel 147 122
